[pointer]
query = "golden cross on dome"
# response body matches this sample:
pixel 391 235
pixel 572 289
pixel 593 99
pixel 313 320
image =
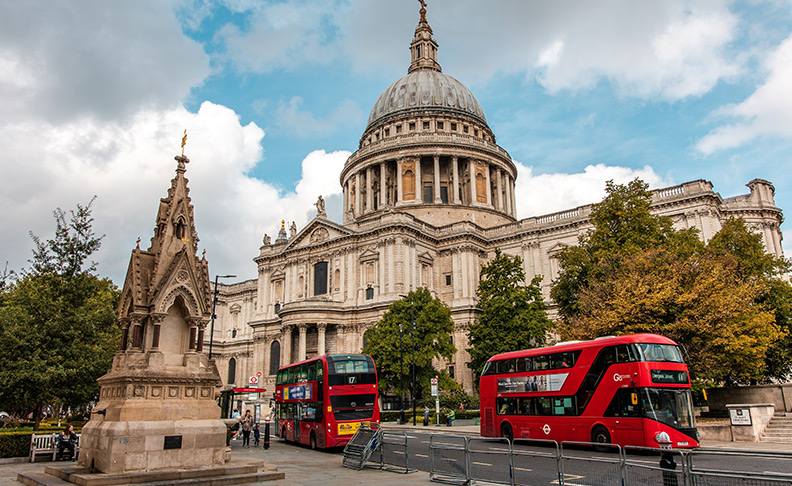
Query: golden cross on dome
pixel 184 141
pixel 423 10
pixel 185 240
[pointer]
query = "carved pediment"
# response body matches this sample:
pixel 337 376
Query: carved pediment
pixel 553 250
pixel 368 255
pixel 318 232
pixel 181 280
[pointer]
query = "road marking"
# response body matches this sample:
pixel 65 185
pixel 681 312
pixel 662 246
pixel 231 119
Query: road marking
pixel 570 476
pixel 398 452
pixel 421 455
pixel 523 469
pixel 482 464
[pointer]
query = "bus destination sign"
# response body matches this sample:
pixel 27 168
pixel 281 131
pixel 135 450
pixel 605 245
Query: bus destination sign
pixel 670 376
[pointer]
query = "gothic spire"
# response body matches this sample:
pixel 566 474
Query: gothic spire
pixel 423 48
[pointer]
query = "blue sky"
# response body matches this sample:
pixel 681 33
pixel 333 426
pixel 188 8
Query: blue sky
pixel 94 96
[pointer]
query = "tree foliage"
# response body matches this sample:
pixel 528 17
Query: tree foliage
pixel 634 273
pixel 58 323
pixel 513 315
pixel 390 342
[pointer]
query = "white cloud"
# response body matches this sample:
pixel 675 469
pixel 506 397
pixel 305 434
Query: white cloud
pixel 542 194
pixel 129 166
pixel 279 35
pixel 768 111
pixel 65 60
pixel 293 119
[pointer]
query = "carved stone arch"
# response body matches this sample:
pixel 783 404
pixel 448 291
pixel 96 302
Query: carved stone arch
pixel 190 301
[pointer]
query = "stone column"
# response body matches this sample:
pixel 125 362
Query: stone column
pixel 157 319
pixel 358 202
pixel 499 183
pixel 286 347
pixel 513 199
pixel 124 333
pixel 399 194
pixel 301 328
pixel 489 184
pixel 369 191
pixel 193 322
pixel 137 332
pixel 383 200
pixel 508 195
pixel 436 180
pixel 320 341
pixel 472 167
pixel 418 181
pixel 455 169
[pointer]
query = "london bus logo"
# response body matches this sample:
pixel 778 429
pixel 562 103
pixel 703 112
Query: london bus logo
pixel 618 377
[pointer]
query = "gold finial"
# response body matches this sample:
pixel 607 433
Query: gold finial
pixel 185 240
pixel 184 141
pixel 283 224
pixel 423 10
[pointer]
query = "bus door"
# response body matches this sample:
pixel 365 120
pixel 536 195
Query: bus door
pixel 297 423
pixel 623 417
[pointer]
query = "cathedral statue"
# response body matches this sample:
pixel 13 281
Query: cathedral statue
pixel 320 208
pixel 293 230
pixel 267 240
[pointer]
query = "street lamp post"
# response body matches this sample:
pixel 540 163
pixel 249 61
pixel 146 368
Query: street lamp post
pixel 401 371
pixel 214 306
pixel 412 333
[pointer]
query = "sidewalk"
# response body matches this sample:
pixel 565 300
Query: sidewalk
pixel 304 467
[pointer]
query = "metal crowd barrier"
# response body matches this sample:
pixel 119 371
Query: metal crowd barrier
pixel 601 469
pixel 448 459
pixel 755 471
pixel 647 466
pixel 392 453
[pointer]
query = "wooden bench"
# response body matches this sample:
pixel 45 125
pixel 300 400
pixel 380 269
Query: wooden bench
pixel 47 445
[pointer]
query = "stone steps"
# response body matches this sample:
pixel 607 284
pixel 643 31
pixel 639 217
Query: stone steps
pixel 779 430
pixel 233 473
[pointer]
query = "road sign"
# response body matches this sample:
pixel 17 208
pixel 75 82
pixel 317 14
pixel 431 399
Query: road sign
pixel 434 381
pixel 253 380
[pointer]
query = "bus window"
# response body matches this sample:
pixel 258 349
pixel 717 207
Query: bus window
pixel 543 406
pixel 507 406
pixel 564 406
pixel 660 352
pixel 624 404
pixel 525 407
pixel 540 363
pixel 506 366
pixel 311 371
pixel 625 353
pixel 521 364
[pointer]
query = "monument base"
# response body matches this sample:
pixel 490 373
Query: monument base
pixel 237 471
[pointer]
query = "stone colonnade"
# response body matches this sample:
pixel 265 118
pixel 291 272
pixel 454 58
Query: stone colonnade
pixel 467 181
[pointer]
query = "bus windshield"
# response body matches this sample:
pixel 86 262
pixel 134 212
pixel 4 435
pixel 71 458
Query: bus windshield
pixel 673 407
pixel 659 352
pixel 351 370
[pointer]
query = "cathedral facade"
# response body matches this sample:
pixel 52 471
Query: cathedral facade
pixel 428 197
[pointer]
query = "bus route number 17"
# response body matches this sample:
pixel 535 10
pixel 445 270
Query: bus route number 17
pixel 351 380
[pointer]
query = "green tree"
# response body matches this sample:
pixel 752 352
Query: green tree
pixel 58 323
pixel 393 342
pixel 736 241
pixel 513 315
pixel 634 273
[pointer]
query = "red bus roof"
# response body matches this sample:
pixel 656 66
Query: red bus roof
pixel 317 358
pixel 594 343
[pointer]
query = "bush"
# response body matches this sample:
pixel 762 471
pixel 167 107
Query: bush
pixel 393 415
pixel 14 444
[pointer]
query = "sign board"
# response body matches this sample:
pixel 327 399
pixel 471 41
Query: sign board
pixel 434 389
pixel 434 381
pixel 740 416
pixel 249 390
pixel 253 380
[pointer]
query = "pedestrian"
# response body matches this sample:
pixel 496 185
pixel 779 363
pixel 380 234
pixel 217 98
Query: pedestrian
pixel 450 417
pixel 246 426
pixel 426 415
pixel 256 435
pixel 235 428
pixel 66 440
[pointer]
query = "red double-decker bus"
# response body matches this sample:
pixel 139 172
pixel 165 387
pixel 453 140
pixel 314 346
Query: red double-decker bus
pixel 620 390
pixel 321 402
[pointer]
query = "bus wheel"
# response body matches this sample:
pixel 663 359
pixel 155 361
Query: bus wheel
pixel 600 437
pixel 507 432
pixel 313 441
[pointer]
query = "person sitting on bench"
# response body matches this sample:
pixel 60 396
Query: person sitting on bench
pixel 66 440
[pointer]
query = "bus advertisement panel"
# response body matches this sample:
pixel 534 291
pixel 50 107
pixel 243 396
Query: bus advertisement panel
pixel 622 390
pixel 321 402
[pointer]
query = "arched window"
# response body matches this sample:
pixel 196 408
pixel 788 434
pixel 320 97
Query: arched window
pixel 274 357
pixel 232 370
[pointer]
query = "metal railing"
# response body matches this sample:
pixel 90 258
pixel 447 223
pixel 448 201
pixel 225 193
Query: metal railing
pixel 392 453
pixel 460 460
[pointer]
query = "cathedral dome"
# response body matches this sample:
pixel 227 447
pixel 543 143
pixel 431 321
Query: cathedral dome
pixel 426 90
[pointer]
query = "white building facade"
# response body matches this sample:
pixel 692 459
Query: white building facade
pixel 428 197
